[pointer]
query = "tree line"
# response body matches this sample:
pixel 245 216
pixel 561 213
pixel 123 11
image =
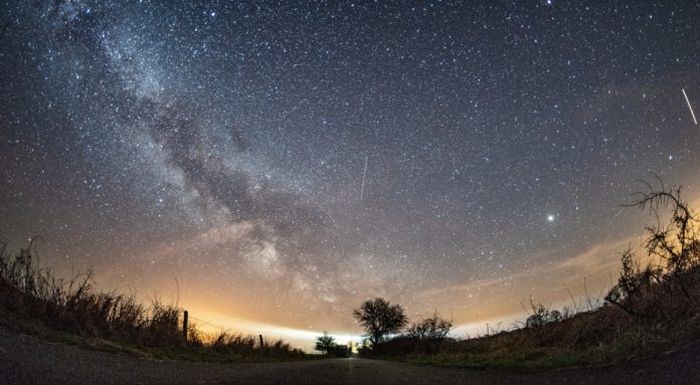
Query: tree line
pixel 383 320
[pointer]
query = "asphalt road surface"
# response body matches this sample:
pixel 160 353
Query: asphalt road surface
pixel 28 360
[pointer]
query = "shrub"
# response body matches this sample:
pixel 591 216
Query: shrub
pixel 430 328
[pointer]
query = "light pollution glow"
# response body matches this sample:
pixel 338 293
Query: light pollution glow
pixel 284 162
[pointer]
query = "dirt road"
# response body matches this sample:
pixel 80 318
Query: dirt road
pixel 28 360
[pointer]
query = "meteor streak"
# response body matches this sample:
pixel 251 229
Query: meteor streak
pixel 364 174
pixel 689 106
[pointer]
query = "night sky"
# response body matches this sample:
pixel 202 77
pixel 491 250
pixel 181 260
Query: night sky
pixel 284 162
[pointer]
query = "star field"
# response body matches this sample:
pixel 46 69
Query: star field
pixel 285 161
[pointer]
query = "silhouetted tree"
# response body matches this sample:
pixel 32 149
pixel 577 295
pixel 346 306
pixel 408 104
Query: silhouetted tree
pixel 431 328
pixel 325 343
pixel 674 246
pixel 676 243
pixel 379 318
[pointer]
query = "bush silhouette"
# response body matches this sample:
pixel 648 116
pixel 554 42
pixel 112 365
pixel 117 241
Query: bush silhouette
pixel 541 316
pixel 430 328
pixel 667 288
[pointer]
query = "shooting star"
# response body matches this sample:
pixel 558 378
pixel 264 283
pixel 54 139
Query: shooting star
pixel 689 106
pixel 364 175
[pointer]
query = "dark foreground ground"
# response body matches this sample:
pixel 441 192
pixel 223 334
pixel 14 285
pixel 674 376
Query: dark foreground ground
pixel 29 360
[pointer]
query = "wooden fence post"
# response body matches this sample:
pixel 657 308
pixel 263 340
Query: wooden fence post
pixel 262 344
pixel 184 325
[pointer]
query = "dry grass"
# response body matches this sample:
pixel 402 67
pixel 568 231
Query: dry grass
pixel 603 335
pixel 73 306
pixel 651 308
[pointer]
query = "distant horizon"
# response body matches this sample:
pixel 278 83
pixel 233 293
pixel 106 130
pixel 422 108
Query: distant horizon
pixel 216 321
pixel 278 164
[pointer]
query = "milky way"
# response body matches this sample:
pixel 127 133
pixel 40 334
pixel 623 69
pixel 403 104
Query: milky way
pixel 285 161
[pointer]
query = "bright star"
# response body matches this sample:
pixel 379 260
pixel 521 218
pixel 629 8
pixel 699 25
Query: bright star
pixel 550 218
